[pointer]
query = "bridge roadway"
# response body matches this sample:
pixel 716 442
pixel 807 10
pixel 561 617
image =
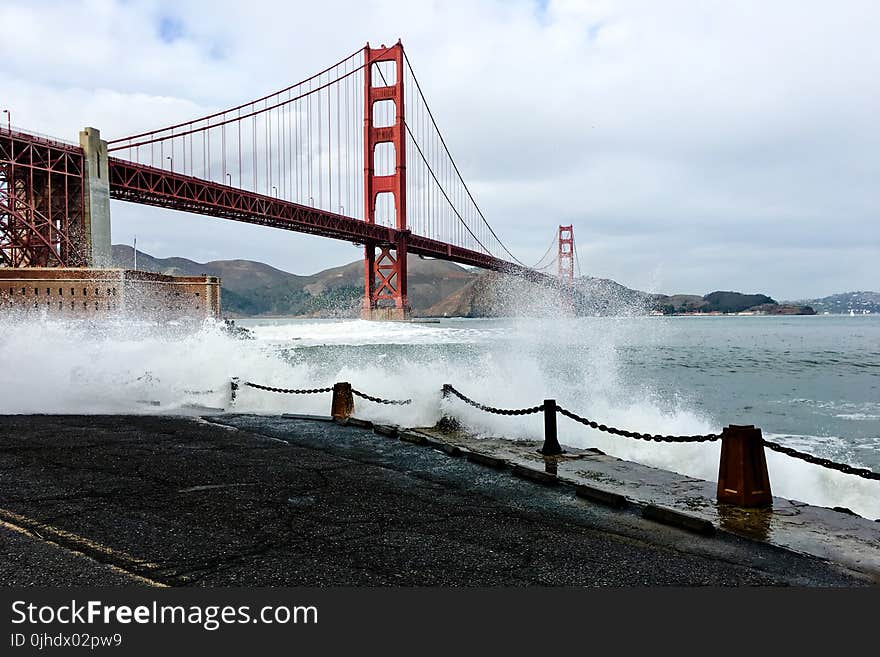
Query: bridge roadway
pixel 139 183
pixel 134 182
pixel 265 501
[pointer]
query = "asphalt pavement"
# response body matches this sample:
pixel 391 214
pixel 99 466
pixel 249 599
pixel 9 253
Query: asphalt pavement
pixel 238 500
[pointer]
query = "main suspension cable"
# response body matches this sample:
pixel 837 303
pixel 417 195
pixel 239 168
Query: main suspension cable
pixel 454 165
pixel 546 253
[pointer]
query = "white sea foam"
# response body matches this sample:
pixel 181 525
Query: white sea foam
pixel 359 332
pixel 859 417
pixel 54 367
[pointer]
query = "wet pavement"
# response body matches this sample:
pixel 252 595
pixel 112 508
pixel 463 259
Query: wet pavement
pixel 838 536
pixel 241 500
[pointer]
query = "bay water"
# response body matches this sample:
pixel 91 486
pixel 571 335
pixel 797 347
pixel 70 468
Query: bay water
pixel 809 382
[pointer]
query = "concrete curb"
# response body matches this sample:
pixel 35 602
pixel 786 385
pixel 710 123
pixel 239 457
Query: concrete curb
pixel 412 437
pixel 614 500
pixel 386 430
pixel 314 418
pixel 678 519
pixel 485 459
pixel 451 450
pixel 539 476
pixel 354 422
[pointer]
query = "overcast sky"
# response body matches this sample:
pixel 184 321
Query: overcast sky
pixel 695 145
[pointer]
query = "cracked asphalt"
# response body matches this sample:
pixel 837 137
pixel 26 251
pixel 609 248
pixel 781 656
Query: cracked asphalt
pixel 279 501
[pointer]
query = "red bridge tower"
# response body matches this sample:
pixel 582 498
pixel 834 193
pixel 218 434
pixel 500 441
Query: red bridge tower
pixel 565 258
pixel 385 274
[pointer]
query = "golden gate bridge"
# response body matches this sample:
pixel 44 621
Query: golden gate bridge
pixel 351 153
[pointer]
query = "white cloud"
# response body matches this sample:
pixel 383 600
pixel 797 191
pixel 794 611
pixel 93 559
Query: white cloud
pixel 728 145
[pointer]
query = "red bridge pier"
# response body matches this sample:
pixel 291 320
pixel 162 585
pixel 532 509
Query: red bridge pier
pixel 565 257
pixel 385 294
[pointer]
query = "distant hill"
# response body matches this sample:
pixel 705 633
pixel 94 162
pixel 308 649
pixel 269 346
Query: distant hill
pixel 444 289
pixel 726 303
pixel 857 302
pixel 254 288
pixel 734 302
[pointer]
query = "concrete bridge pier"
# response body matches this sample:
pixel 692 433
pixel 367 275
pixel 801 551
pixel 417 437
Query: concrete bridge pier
pixel 96 199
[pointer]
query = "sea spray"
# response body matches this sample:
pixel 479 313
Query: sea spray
pixel 598 367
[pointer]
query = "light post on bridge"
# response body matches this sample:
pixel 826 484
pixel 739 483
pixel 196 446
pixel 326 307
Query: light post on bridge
pixel 170 162
pixel 229 178
pixel 274 191
pixel 8 119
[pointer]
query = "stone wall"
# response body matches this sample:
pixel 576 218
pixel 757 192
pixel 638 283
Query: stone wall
pixel 97 293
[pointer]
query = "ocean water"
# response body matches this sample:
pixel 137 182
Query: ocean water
pixel 809 382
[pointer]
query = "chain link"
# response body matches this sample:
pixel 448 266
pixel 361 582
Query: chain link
pixel 289 391
pixel 825 463
pixel 396 402
pixel 491 409
pixel 709 437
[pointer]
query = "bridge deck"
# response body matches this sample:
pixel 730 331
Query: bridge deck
pixel 138 183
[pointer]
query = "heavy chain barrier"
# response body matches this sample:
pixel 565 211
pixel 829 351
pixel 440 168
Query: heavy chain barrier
pixel 709 437
pixel 396 402
pixel 289 391
pixel 492 409
pixel 825 463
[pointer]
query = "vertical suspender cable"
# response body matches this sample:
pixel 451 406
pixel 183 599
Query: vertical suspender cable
pixel 347 144
pixel 290 162
pixel 269 150
pixel 329 149
pixel 338 154
pixel 282 153
pixel 209 150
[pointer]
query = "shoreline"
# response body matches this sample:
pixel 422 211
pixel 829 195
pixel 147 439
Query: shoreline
pixel 419 318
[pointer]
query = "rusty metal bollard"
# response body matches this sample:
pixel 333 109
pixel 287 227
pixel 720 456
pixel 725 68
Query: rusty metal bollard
pixel 551 441
pixel 742 473
pixel 233 390
pixel 343 401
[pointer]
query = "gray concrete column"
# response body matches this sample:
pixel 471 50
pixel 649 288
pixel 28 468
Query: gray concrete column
pixel 97 198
